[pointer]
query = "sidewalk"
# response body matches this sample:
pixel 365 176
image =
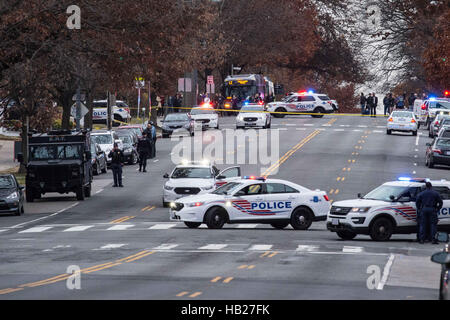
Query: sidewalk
pixel 7 155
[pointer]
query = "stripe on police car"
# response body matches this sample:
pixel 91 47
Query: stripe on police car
pixel 35 229
pixel 121 227
pixel 77 228
pixel 162 226
pixel 213 247
pixel 261 247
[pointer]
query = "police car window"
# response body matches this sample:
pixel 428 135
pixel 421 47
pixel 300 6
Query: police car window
pixel 192 173
pixel 384 193
pixel 227 188
pixel 102 138
pixel 401 114
pixel 443 191
pixel 230 173
pixel 275 188
pixel 250 190
pixel 324 98
pixel 307 98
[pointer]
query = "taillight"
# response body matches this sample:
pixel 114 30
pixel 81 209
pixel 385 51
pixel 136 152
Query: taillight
pixel 390 119
pixel 424 107
pixel 436 123
pixel 413 121
pixel 326 198
pixel 437 151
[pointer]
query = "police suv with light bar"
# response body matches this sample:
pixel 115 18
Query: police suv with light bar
pixel 252 199
pixel 387 210
pixel 303 102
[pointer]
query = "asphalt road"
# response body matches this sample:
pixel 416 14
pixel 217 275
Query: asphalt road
pixel 127 248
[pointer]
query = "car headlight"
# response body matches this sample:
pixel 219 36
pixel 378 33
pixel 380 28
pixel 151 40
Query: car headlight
pixel 361 210
pixel 13 195
pixel 168 187
pixel 194 204
pixel 240 118
pixel 206 188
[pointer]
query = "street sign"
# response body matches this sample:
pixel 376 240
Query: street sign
pixel 182 82
pixel 84 110
pixel 82 97
pixel 210 80
pixel 139 82
pixel 210 88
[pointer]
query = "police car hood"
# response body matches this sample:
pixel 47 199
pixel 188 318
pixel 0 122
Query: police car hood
pixel 359 203
pixel 203 116
pixel 189 183
pixel 206 197
pixel 252 114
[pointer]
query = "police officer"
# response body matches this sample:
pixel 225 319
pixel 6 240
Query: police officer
pixel 144 149
pixel 151 137
pixel 428 203
pixel 116 165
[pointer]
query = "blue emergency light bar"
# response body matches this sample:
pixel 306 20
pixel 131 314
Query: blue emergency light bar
pixel 254 178
pixel 413 179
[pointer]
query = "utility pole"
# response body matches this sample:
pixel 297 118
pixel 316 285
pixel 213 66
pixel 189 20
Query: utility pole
pixel 108 111
pixel 78 112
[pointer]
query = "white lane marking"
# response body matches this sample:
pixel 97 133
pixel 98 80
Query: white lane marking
pixel 414 172
pixel 339 129
pixel 291 124
pixel 321 129
pixel 380 126
pixel 344 125
pixel 246 226
pixel 300 129
pixel 387 269
pixel 307 248
pixel 357 130
pixel 417 140
pixel 2 230
pixel 326 125
pixel 361 126
pixel 416 150
pixel 377 131
pixel 352 249
pixel 261 247
pixel 283 129
pixel 77 228
pixel 415 164
pixel 308 124
pixel 415 156
pixel 166 246
pixel 156 160
pixel 121 227
pixel 99 191
pixel 51 215
pixel 162 226
pixel 213 247
pixel 35 229
pixel 112 246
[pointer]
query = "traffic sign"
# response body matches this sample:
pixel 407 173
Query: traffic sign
pixel 84 110
pixel 210 80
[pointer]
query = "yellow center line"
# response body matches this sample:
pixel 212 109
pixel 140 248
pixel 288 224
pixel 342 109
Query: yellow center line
pixel 145 208
pixel 251 267
pixel 195 294
pixel 337 191
pixel 227 280
pixel 9 290
pixel 243 266
pixel 216 279
pixel 273 254
pixel 183 293
pixel 264 254
pixel 140 256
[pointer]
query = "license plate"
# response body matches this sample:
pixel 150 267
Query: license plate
pixel 335 222
pixel 249 124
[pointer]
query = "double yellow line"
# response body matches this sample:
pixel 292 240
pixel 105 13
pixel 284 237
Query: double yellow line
pixel 65 276
pixel 288 154
pixel 123 219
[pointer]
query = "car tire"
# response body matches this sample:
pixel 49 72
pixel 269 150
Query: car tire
pixel 215 218
pixel 346 235
pixel 131 161
pixel 318 110
pixel 87 191
pixel 301 218
pixel 430 164
pixel 192 225
pixel 29 195
pixel 389 131
pixel 18 212
pixel 166 204
pixel 279 225
pixel 105 169
pixel 279 115
pixel 80 193
pixel 381 229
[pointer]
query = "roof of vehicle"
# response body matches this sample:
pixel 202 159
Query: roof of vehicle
pixel 420 182
pixel 129 126
pixel 101 132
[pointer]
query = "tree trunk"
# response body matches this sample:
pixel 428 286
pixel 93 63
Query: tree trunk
pixel 89 105
pixel 67 105
pixel 24 136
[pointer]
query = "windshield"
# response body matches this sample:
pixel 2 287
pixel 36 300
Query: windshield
pixel 384 193
pixel 402 114
pixel 443 143
pixel 252 108
pixel 227 188
pixel 55 152
pixel 6 182
pixel 446 122
pixel 192 173
pixel 102 138
pixel 324 98
pixel 241 92
pixel 126 139
pixel 439 105
pixel 202 111
pixel 176 117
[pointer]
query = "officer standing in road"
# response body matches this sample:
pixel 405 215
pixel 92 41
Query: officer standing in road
pixel 151 137
pixel 144 149
pixel 428 204
pixel 116 165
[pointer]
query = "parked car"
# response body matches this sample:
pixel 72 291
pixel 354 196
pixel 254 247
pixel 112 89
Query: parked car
pixel 11 195
pixel 136 128
pixel 440 121
pixel 98 160
pixel 443 258
pixel 438 152
pixel 105 139
pixel 129 146
pixel 176 122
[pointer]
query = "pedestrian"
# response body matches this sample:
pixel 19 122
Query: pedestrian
pixel 387 105
pixel 151 137
pixel 144 149
pixel 400 102
pixel 362 102
pixel 370 103
pixel 428 204
pixel 176 103
pixel 375 104
pixel 117 160
pixel 411 100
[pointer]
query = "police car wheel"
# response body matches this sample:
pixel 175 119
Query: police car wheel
pixel 215 218
pixel 318 110
pixel 192 225
pixel 346 235
pixel 279 225
pixel 388 131
pixel 381 229
pixel 301 219
pixel 414 133
pixel 279 115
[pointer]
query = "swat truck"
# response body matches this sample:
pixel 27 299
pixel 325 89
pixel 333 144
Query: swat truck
pixel 58 161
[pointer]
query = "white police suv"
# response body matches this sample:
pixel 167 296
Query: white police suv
pixel 387 210
pixel 191 178
pixel 303 102
pixel 251 199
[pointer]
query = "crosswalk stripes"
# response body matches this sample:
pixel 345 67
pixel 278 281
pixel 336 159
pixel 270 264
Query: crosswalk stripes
pixel 213 247
pixel 162 226
pixel 121 227
pixel 261 247
pixel 77 228
pixel 307 248
pixel 166 246
pixel 35 229
pixel 352 249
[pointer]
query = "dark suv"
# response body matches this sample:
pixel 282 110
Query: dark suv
pixel 59 161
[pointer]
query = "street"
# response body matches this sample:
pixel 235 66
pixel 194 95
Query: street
pixel 127 248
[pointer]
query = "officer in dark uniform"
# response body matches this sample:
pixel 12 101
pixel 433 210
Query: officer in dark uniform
pixel 144 149
pixel 116 165
pixel 428 204
pixel 151 137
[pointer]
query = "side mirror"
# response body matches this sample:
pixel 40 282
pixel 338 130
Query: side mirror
pixel 392 198
pixel 428 144
pixel 442 237
pixel 359 195
pixel 20 157
pixel 404 199
pixel 220 177
pixel 22 187
pixel 440 257
pixel 166 176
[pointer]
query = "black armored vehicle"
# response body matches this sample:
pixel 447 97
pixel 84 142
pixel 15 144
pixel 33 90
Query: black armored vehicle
pixel 58 161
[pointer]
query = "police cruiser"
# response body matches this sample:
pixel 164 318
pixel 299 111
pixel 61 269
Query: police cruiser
pixel 303 102
pixel 253 115
pixel 387 210
pixel 206 116
pixel 252 199
pixel 189 178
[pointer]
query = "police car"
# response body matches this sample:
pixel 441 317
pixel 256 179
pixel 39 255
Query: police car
pixel 252 199
pixel 387 210
pixel 206 116
pixel 253 115
pixel 433 107
pixel 303 102
pixel 191 178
